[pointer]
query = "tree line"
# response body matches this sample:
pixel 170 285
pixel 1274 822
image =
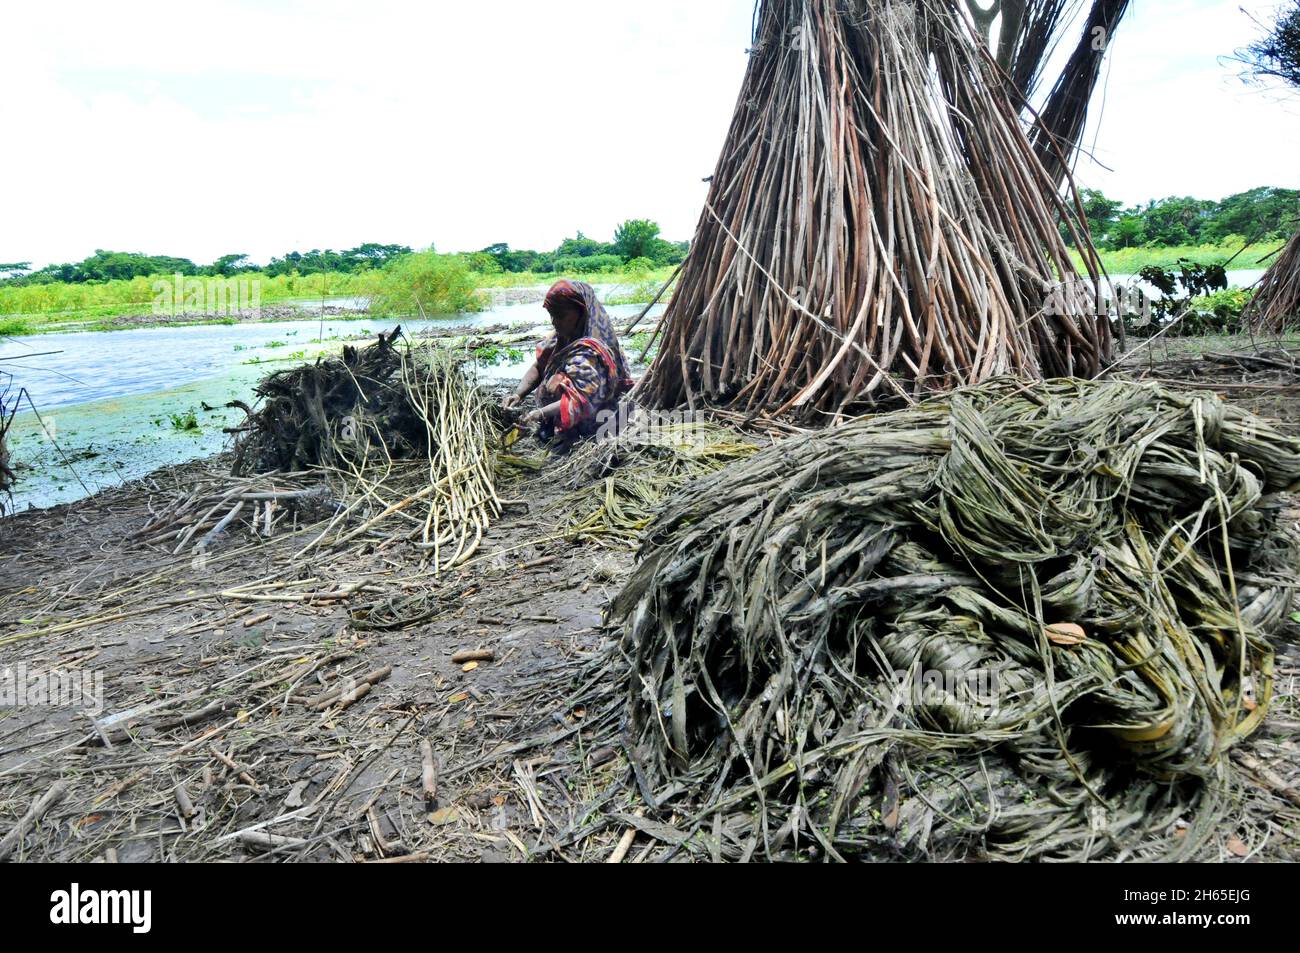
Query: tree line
pixel 636 241
pixel 1261 214
pixel 123 266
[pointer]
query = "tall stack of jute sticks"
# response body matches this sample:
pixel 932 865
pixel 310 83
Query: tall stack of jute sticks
pixel 879 225
pixel 1276 305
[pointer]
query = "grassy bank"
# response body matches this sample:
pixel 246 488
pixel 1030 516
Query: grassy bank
pixel 29 309
pixel 419 284
pixel 1129 261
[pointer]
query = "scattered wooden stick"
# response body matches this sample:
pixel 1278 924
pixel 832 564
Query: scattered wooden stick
pixel 624 845
pixel 429 774
pixel 235 767
pixel 321 702
pixel 354 696
pixel 57 792
pixel 269 841
pixel 183 802
pixel 422 857
pixel 1267 776
pixel 185 719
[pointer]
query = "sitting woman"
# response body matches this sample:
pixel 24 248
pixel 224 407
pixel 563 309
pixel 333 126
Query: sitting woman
pixel 580 369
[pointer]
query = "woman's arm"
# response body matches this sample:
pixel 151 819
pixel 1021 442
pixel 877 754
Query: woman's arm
pixel 549 412
pixel 526 386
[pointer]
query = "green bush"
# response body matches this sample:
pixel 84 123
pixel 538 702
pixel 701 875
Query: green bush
pixel 1197 292
pixel 425 283
pixel 589 264
pixel 1218 313
pixel 483 263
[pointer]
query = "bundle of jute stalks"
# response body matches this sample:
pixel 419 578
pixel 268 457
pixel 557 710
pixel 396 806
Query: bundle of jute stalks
pixel 1275 309
pixel 403 432
pixel 878 226
pixel 7 476
pixel 1017 621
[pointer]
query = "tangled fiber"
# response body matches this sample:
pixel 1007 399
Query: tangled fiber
pixel 878 226
pixel 1018 621
pixel 319 414
pixel 618 485
pixel 406 431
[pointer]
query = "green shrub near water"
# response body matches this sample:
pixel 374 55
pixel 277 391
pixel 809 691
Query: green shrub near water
pixel 639 267
pixel 588 265
pixel 425 283
pixel 1218 313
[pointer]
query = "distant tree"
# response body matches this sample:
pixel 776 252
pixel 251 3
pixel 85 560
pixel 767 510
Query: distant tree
pixel 483 263
pixel 14 269
pixel 1261 214
pixel 636 238
pixel 587 264
pixel 673 253
pixel 372 255
pixel 1128 232
pixel 111 266
pixel 1102 214
pixel 228 265
pixel 1177 220
pixel 582 247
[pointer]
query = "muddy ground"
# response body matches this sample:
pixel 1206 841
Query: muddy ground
pixel 160 629
pixel 217 739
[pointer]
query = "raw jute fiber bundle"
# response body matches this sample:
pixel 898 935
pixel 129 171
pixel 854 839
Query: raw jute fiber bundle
pixel 402 428
pixel 1019 621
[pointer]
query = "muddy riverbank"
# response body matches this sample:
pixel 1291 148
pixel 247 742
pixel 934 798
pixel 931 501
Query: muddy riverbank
pixel 215 674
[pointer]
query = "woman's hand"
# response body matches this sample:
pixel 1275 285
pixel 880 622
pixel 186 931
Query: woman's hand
pixel 531 379
pixel 543 413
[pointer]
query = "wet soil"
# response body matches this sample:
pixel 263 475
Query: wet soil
pixel 209 668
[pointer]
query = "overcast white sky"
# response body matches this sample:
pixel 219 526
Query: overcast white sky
pixel 200 129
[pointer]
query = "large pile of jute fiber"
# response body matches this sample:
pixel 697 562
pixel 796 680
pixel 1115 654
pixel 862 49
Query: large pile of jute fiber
pixel 403 426
pixel 1017 621
pixel 322 413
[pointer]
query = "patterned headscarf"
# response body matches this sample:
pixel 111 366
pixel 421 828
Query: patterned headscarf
pixel 595 324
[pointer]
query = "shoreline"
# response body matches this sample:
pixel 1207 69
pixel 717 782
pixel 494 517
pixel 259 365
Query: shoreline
pixel 296 309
